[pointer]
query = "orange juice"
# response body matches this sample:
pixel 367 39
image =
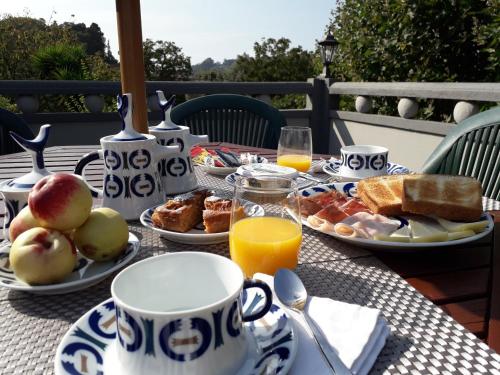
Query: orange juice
pixel 301 163
pixel 264 244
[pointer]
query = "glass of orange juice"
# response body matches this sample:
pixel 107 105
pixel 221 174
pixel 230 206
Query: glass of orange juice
pixel 270 238
pixel 295 147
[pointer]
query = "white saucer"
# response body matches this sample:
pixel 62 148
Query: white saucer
pixel 332 167
pixel 224 171
pixel 89 345
pixel 197 235
pixel 86 273
pixel 350 189
pixel 254 170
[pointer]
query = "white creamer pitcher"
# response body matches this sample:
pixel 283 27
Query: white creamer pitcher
pixel 176 169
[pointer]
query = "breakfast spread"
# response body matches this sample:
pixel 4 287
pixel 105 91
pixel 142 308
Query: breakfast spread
pixel 437 208
pixel 57 223
pixel 183 212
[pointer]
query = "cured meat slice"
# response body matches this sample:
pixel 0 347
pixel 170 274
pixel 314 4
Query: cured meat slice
pixel 312 205
pixel 332 214
pixel 366 225
pixel 353 206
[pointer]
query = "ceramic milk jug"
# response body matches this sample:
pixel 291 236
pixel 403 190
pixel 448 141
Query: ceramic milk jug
pixel 131 181
pixel 16 191
pixel 176 170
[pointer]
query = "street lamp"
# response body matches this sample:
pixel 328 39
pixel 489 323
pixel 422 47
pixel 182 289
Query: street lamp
pixel 328 47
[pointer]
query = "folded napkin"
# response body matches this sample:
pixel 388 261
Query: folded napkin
pixel 317 166
pixel 356 333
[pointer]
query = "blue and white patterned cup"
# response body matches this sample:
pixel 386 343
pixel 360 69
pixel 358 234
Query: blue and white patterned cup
pixel 181 314
pixel 362 161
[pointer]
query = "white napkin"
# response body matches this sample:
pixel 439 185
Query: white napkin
pixel 356 333
pixel 317 166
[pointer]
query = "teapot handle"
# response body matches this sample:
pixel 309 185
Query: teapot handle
pixel 80 167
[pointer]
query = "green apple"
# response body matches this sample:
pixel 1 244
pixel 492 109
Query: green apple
pixel 42 256
pixel 104 236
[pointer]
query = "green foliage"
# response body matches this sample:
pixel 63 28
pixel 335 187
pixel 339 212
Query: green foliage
pixel 8 104
pixel 427 40
pixel 274 61
pixel 60 61
pixel 164 61
pixel 209 70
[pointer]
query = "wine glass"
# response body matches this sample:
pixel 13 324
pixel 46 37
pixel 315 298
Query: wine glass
pixel 269 237
pixel 295 147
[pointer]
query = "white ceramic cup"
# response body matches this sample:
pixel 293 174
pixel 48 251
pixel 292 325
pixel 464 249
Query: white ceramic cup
pixel 181 313
pixel 362 161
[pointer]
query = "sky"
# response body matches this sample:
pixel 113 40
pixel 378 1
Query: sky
pixel 202 28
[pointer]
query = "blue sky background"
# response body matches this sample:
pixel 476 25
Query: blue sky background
pixel 202 28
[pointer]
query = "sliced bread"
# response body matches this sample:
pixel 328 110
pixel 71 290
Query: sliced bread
pixel 450 197
pixel 382 194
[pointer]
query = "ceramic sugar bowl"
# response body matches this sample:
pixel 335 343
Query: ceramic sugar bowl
pixel 176 170
pixel 16 191
pixel 131 180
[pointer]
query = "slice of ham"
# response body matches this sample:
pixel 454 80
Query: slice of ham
pixel 353 206
pixel 312 205
pixel 332 214
pixel 366 225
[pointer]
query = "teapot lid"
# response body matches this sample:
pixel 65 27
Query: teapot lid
pixel 35 148
pixel 166 107
pixel 125 109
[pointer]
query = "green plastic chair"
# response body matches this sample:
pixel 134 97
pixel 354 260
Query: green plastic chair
pixel 472 148
pixel 11 122
pixel 231 118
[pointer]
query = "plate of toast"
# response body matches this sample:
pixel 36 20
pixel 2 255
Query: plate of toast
pixel 200 217
pixel 397 212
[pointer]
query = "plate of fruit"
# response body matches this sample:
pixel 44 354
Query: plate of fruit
pixel 399 212
pixel 59 244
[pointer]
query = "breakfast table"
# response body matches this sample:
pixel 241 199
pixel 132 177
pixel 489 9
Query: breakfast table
pixel 439 303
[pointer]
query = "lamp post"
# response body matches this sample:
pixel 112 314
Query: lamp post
pixel 328 47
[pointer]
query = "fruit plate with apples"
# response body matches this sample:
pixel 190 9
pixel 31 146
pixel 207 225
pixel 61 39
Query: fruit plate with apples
pixel 85 274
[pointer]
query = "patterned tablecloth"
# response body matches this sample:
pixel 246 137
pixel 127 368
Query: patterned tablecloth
pixel 423 340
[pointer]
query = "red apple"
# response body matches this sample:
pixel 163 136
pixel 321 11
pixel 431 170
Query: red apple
pixel 60 201
pixel 42 256
pixel 21 223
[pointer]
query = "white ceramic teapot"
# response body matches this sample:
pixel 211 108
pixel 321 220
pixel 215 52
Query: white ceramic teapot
pixel 131 180
pixel 16 191
pixel 176 170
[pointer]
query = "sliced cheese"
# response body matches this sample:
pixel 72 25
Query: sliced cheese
pixel 427 231
pixel 401 235
pixel 452 226
pixel 457 235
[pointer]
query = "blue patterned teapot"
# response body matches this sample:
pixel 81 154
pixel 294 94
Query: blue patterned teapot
pixel 131 179
pixel 176 170
pixel 15 191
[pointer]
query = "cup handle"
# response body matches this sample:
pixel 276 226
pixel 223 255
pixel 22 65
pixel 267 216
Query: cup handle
pixel 252 283
pixel 80 167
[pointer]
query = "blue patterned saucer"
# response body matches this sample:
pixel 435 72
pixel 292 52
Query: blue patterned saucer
pixel 89 345
pixel 301 182
pixel 86 273
pixel 332 167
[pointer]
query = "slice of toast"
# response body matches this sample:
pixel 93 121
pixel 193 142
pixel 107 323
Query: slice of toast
pixel 382 194
pixel 450 197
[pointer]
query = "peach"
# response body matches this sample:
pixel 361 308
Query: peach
pixel 104 236
pixel 42 256
pixel 60 201
pixel 21 223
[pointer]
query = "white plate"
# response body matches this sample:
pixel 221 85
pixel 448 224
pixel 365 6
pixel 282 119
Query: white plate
pixel 197 235
pixel 86 273
pixel 259 169
pixel 332 167
pixel 89 346
pixel 224 171
pixel 349 188
pixel 301 182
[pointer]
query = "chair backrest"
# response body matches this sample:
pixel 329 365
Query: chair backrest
pixel 231 118
pixel 11 122
pixel 472 148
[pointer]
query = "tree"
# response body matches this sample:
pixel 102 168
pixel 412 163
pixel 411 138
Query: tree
pixel 164 61
pixel 275 60
pixel 432 40
pixel 20 37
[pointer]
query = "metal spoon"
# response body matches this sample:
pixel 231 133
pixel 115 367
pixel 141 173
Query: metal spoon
pixel 292 293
